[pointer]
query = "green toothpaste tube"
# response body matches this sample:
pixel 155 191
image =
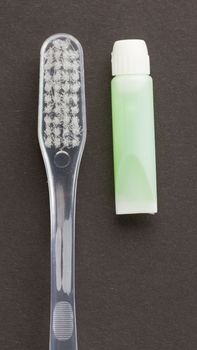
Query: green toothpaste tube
pixel 133 129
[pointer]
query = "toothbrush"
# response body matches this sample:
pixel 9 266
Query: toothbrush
pixel 62 135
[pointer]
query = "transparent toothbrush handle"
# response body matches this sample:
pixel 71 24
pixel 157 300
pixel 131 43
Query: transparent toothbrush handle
pixel 63 334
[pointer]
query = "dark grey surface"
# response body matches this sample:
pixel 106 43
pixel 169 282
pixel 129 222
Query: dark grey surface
pixel 135 275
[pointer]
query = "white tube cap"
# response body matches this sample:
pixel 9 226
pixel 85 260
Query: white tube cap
pixel 130 57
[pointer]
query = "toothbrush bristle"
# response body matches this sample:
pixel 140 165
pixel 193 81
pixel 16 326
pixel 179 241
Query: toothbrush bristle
pixel 61 95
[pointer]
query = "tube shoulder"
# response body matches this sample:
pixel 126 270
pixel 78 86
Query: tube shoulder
pixel 131 78
pixel 126 84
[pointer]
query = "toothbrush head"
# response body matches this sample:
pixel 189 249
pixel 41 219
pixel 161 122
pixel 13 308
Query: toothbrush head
pixel 62 94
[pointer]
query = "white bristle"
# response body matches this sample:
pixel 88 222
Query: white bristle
pixel 74 110
pixel 66 142
pixel 47 76
pixel 66 131
pixel 66 109
pixel 48 142
pixel 57 86
pixel 74 98
pixel 57 110
pixel 66 86
pixel 61 95
pixel 57 65
pixel 76 131
pixel 66 119
pixel 48 109
pixel 57 131
pixel 75 87
pixel 75 65
pixel 47 119
pixel 75 121
pixel 57 44
pixel 66 98
pixel 65 76
pixel 67 63
pixel 57 55
pixel 75 142
pixel 75 76
pixel 48 131
pixel 57 98
pixel 48 87
pixel 57 76
pixel 48 65
pixel 47 99
pixel 57 142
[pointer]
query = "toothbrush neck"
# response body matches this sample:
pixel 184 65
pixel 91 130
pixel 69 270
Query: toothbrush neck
pixel 64 202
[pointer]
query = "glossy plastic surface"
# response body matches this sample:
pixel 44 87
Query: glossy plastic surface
pixel 62 134
pixel 134 144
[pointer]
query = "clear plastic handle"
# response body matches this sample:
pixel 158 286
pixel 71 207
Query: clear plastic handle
pixel 62 135
pixel 63 319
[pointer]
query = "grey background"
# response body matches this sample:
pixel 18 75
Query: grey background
pixel 135 275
